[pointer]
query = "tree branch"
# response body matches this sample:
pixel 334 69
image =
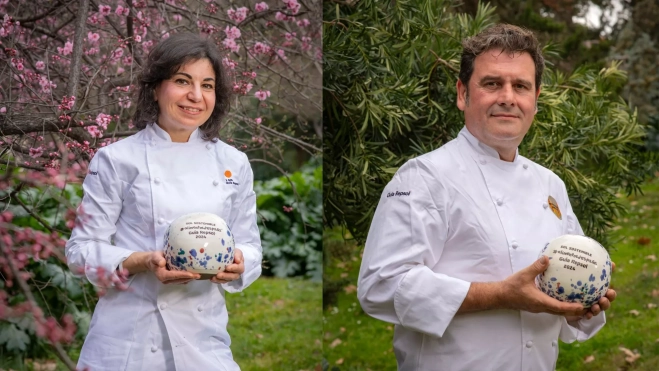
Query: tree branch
pixel 76 60
pixel 42 15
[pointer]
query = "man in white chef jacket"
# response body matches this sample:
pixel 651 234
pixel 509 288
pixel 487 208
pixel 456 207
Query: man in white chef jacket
pixel 452 252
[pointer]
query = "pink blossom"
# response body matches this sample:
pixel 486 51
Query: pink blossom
pixel 94 131
pixel 280 16
pixel 19 66
pixel 231 45
pixel 117 53
pixel 3 109
pixel 165 35
pixel 36 152
pixel 289 36
pixel 238 15
pixel 124 102
pixel 93 37
pixel 177 17
pixel 40 65
pixel 262 48
pixel 281 54
pixel 103 120
pixel 104 10
pixel 228 63
pixel 248 87
pixel 121 10
pixel 258 120
pixel 262 94
pixel 261 7
pixel 253 75
pixel 67 49
pixel 293 5
pixel 92 51
pixel 303 23
pixel 147 44
pixel 232 33
pixel 46 85
pixel 138 38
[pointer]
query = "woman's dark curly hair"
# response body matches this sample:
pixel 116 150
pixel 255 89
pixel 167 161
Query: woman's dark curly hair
pixel 163 62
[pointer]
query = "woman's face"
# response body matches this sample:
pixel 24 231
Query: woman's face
pixel 187 99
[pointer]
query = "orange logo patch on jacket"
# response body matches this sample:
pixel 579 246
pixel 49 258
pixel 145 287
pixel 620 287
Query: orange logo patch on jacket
pixel 554 207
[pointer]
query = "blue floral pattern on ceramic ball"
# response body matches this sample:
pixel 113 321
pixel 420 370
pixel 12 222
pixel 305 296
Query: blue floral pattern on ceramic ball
pixel 579 270
pixel 200 243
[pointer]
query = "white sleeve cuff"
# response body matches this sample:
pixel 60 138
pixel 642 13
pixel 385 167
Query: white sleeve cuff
pixel 426 301
pixel 581 330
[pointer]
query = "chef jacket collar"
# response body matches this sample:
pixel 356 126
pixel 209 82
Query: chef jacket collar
pixel 483 153
pixel 156 134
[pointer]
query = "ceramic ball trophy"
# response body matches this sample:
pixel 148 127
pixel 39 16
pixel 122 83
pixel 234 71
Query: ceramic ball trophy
pixel 579 270
pixel 199 243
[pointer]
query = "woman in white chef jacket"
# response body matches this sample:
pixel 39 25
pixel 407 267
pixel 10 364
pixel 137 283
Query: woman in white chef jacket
pixel 165 320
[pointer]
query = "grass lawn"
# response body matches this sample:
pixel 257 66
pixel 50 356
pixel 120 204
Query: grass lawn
pixel 354 341
pixel 275 324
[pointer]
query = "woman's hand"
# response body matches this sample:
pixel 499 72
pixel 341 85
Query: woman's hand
pixel 232 271
pixel 155 262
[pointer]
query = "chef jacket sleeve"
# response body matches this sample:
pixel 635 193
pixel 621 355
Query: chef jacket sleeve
pixel 245 231
pixel 406 238
pixel 583 329
pixel 89 251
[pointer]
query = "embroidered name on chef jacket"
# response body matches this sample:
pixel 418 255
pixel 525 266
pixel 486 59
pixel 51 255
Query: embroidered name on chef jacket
pixel 398 194
pixel 92 172
pixel 230 181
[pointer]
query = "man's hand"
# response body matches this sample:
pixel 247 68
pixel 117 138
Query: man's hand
pixel 232 271
pixel 517 292
pixel 521 293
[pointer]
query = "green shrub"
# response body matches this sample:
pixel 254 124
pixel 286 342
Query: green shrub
pixel 291 238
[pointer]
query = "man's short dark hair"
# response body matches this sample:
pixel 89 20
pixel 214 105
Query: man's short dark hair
pixel 510 39
pixel 163 62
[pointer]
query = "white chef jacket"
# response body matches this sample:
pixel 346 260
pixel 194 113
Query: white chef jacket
pixel 453 216
pixel 134 189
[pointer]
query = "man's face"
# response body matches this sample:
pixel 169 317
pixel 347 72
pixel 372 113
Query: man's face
pixel 502 99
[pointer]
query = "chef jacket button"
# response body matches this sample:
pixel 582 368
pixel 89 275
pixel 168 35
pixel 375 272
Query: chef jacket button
pixel 514 245
pixel 544 205
pixel 154 349
pixel 163 306
pixel 157 180
pixel 529 344
pixel 200 308
pixel 161 220
pixel 525 166
pixel 215 182
pixel 499 202
pixel 209 146
pixel 554 343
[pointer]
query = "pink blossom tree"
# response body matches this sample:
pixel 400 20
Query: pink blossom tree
pixel 67 81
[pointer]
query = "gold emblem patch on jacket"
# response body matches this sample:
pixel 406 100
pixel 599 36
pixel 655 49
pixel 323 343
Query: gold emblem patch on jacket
pixel 554 207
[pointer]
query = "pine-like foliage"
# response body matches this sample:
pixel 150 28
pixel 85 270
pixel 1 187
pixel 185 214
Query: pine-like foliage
pixel 389 95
